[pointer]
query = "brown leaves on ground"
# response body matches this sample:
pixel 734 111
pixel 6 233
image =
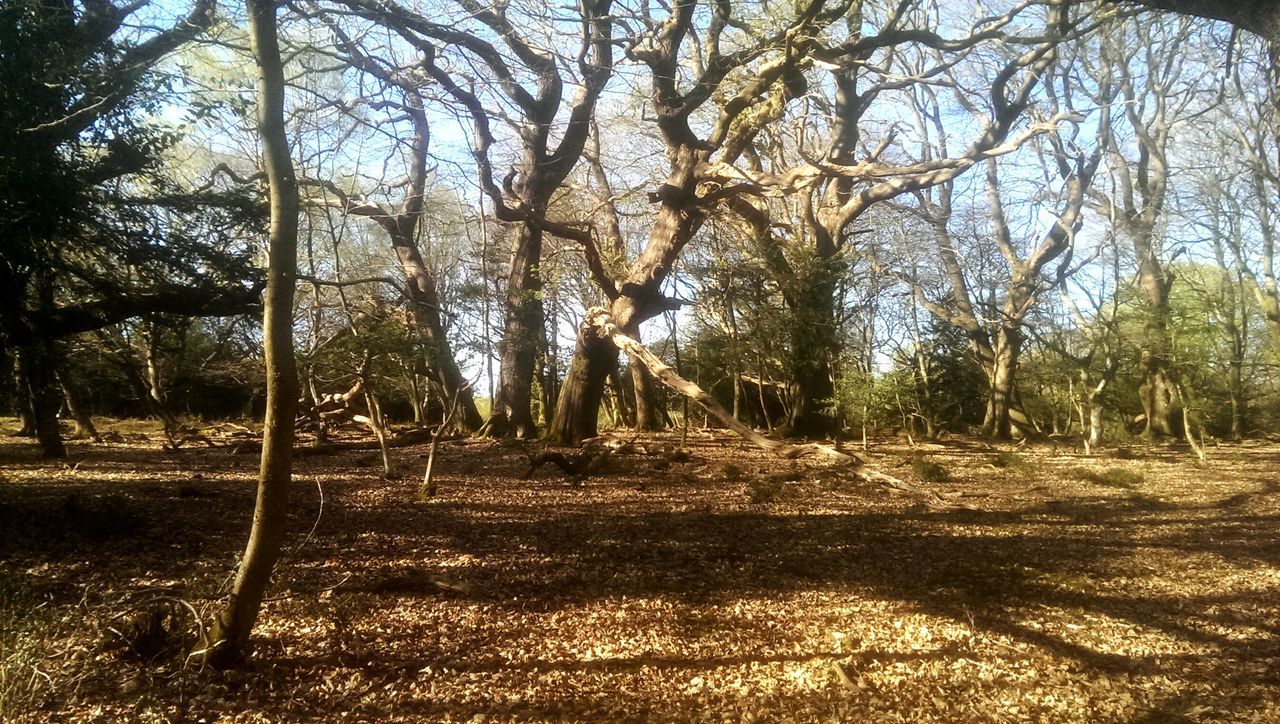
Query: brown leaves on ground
pixel 709 584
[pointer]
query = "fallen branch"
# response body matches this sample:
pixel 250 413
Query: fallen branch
pixel 407 438
pixel 604 324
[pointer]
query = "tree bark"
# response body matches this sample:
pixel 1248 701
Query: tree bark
pixel 85 429
pixel 38 361
pixel 813 346
pixel 22 397
pixel 640 299
pixel 648 415
pixel 1001 374
pixel 578 407
pixel 1160 391
pixel 1261 17
pixel 228 642
pixel 424 305
pixel 512 404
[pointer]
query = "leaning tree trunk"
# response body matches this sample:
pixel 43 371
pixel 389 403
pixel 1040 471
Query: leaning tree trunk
pixel 424 305
pixel 578 406
pixel 229 636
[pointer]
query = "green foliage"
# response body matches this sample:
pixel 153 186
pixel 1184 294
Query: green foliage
pixel 1108 477
pixel 957 385
pixel 875 400
pixel 1009 460
pixel 765 490
pixel 928 470
pixel 88 217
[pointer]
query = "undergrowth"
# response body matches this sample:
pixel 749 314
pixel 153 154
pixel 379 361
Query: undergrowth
pixel 929 471
pixel 1110 477
pixel 1009 460
pixel 25 627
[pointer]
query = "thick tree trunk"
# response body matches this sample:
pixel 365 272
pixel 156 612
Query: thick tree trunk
pixel 648 415
pixel 229 635
pixel 813 347
pixel 999 421
pixel 41 388
pixel 1095 421
pixel 606 329
pixel 1161 397
pixel 153 382
pixel 512 405
pixel 640 299
pixel 1160 391
pixel 424 304
pixel 578 407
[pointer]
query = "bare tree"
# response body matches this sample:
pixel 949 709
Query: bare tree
pixel 835 191
pixel 997 345
pixel 1143 93
pixel 228 638
pixel 489 37
pixel 401 222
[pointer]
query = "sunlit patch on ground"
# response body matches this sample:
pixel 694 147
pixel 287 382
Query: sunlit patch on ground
pixel 658 590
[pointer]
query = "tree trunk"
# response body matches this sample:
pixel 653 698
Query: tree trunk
pixel 648 416
pixel 22 398
pixel 229 635
pixel 512 404
pixel 624 414
pixel 1160 391
pixel 677 220
pixel 1000 399
pixel 814 344
pixel 424 303
pixel 578 406
pixel 1095 421
pixel 85 429
pixel 41 388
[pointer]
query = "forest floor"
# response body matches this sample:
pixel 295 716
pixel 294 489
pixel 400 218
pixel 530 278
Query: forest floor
pixel 728 586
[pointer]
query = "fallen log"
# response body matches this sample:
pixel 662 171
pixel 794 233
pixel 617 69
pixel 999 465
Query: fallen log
pixel 407 438
pixel 604 324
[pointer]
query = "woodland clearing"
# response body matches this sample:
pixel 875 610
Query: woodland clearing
pixel 717 584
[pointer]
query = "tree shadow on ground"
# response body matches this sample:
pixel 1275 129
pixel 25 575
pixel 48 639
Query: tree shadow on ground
pixel 989 568
pixel 997 570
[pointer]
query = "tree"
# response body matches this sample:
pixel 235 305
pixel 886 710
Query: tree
pixel 1261 17
pixel 103 236
pixel 402 93
pixel 229 635
pixel 996 335
pixel 495 39
pixel 1143 92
